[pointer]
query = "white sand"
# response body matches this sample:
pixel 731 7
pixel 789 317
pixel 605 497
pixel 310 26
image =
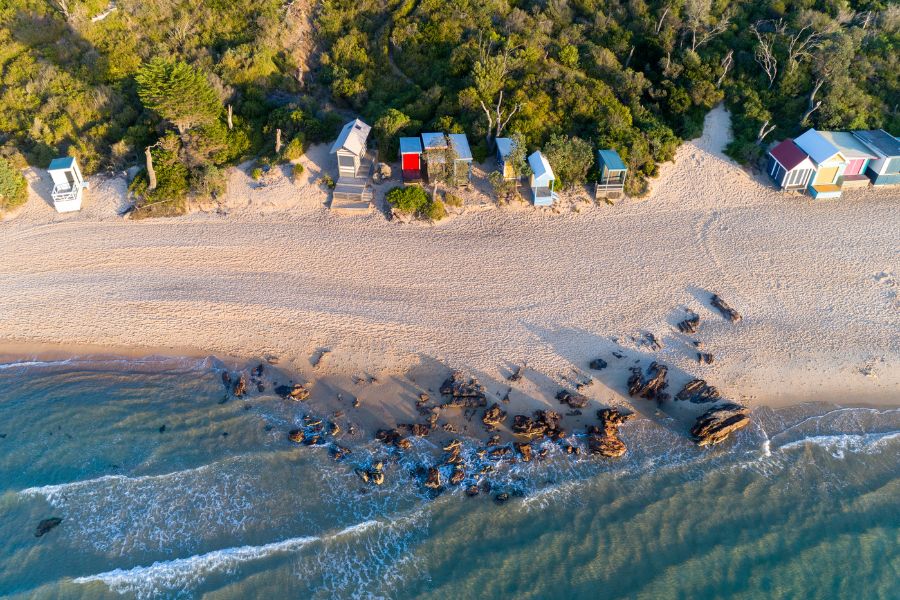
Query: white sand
pixel 278 274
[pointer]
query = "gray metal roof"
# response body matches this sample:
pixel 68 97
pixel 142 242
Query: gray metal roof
pixel 504 146
pixel 461 146
pixel 410 145
pixel 540 167
pixel 434 140
pixel 816 146
pixel 352 138
pixel 848 144
pixel 880 141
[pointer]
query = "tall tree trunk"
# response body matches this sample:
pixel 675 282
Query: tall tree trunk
pixel 151 174
pixel 277 141
pixel 230 122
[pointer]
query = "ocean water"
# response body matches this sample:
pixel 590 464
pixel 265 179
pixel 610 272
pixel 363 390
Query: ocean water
pixel 805 503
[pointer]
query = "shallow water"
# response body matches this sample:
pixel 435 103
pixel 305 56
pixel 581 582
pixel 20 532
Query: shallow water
pixel 801 504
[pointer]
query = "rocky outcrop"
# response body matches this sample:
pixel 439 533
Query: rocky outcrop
pixel 339 452
pixel 524 451
pixel 296 435
pixel 393 437
pixel 650 387
pixel 46 525
pixel 472 491
pixel 458 475
pixel 373 475
pixel 573 399
pixel 544 423
pixel 240 387
pixel 463 392
pixel 722 306
pixel 433 479
pixel 698 392
pixel 598 364
pixel 493 417
pixel 604 440
pixel 716 424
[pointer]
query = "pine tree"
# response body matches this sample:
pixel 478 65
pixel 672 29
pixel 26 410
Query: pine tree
pixel 178 93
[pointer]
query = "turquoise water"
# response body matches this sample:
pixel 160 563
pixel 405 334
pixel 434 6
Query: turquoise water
pixel 803 504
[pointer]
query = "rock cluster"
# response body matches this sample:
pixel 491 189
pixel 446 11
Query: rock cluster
pixel 544 423
pixel 604 440
pixel 652 386
pixel 393 437
pixel 462 392
pixel 690 324
pixel 722 306
pixel 493 417
pixel 716 424
pixel 573 399
pixel 374 475
pixel 698 392
pixel 433 480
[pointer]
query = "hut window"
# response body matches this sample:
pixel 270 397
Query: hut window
pixel 346 161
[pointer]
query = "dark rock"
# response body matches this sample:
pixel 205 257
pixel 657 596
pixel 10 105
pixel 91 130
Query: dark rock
pixel 574 400
pixel 494 440
pixel 704 358
pixel 472 491
pixel 543 423
pixel 226 379
pixel 698 392
pixel 722 306
pixel 334 429
pixel 339 452
pixel 500 452
pixel 240 387
pixel 46 525
pixel 393 437
pixel 501 498
pixel 716 424
pixel 690 324
pixel 650 387
pixel 517 374
pixel 463 393
pixel 433 480
pixel 296 435
pixel 524 450
pixel 604 440
pixel 257 371
pixel 299 392
pixel 493 417
pixel 162 429
pixel 598 364
pixel 458 475
pixel 416 429
pixel 260 387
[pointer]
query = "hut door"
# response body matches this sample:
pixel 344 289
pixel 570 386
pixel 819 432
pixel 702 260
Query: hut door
pixel 410 162
pixel 827 175
pixel 854 167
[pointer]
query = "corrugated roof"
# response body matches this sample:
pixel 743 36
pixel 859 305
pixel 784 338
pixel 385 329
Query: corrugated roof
pixel 433 141
pixel 540 167
pixel 410 145
pixel 65 162
pixel 612 160
pixel 461 146
pixel 880 141
pixel 789 154
pixel 817 147
pixel 353 137
pixel 847 143
pixel 504 146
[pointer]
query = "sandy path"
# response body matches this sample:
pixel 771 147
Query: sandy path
pixel 816 282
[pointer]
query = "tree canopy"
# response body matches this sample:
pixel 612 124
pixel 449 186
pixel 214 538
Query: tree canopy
pixel 177 92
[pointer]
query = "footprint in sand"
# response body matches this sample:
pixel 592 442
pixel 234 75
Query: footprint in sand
pixel 889 281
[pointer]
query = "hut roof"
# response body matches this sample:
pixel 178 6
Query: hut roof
pixel 352 138
pixel 789 154
pixel 461 146
pixel 410 145
pixel 817 147
pixel 540 167
pixel 849 146
pixel 612 160
pixel 880 141
pixel 505 146
pixel 65 162
pixel 433 140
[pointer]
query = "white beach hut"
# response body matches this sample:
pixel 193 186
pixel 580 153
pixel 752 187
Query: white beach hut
pixel 68 184
pixel 828 161
pixel 350 148
pixel 542 180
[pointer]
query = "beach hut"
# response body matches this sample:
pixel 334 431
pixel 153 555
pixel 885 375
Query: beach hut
pixel 857 154
pixel 789 166
pixel 462 164
pixel 829 164
pixel 885 168
pixel 350 148
pixel 411 158
pixel 505 148
pixel 542 180
pixel 612 175
pixel 432 144
pixel 68 184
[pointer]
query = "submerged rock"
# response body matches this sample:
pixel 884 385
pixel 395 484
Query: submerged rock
pixel 226 379
pixel 393 437
pixel 296 435
pixel 433 480
pixel 472 490
pixel 240 387
pixel 501 498
pixel 716 424
pixel 524 450
pixel 652 386
pixel 46 525
pixel 459 474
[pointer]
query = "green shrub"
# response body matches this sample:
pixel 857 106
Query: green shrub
pixel 408 199
pixel 434 211
pixel 452 200
pixel 297 171
pixel 13 187
pixel 256 174
pixel 327 181
pixel 209 181
pixel 293 150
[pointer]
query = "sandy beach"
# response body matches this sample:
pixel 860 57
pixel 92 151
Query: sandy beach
pixel 272 273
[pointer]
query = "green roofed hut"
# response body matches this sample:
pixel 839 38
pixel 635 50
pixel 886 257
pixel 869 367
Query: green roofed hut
pixel 611 183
